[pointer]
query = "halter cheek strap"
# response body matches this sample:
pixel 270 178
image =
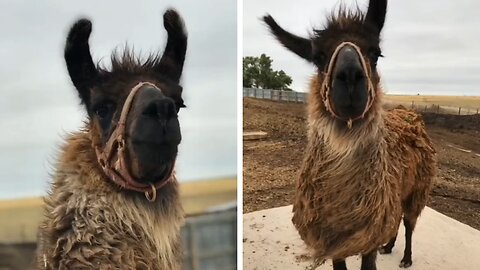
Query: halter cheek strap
pixel 114 163
pixel 328 80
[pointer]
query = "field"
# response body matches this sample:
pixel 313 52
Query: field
pixel 447 104
pixel 19 219
pixel 452 101
pixel 271 164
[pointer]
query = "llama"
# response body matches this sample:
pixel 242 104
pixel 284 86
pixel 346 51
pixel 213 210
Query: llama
pixel 363 167
pixel 114 200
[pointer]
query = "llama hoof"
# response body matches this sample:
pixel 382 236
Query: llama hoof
pixel 405 263
pixel 385 250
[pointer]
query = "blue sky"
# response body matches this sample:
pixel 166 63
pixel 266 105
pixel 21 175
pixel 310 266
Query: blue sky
pixel 431 46
pixel 39 105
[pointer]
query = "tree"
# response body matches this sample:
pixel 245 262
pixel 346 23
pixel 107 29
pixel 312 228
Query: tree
pixel 258 73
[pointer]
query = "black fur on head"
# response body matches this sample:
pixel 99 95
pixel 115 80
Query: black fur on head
pixel 352 71
pixel 341 26
pixel 152 130
pixel 86 76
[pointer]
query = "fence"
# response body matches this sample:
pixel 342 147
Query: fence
pixel 278 95
pixel 420 106
pixel 432 108
pixel 210 241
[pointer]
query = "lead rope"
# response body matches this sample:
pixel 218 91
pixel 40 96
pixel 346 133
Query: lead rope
pixel 327 81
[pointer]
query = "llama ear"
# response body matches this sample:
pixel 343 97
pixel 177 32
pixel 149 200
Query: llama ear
pixel 377 10
pixel 171 63
pixel 79 61
pixel 301 46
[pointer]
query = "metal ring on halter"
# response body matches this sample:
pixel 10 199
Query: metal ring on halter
pixel 154 194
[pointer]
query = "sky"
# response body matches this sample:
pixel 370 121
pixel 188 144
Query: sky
pixel 39 106
pixel 430 46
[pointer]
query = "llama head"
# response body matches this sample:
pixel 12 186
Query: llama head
pixel 345 53
pixel 151 127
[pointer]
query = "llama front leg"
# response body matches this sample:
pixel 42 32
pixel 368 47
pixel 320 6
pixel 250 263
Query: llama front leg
pixel 339 265
pixel 409 224
pixel 368 261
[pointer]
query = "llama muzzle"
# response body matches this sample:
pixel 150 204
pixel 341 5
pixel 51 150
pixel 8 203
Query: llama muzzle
pixel 113 161
pixel 348 90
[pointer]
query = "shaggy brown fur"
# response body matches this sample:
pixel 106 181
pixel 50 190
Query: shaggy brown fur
pixel 90 225
pixel 360 174
pixel 351 191
pixel 91 221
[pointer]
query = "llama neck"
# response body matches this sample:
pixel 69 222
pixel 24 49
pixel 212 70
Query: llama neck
pixel 337 139
pixel 81 189
pixel 336 151
pixel 334 134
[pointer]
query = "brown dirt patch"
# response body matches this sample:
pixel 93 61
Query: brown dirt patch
pixel 271 164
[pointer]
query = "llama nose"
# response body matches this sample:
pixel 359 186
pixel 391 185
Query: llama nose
pixel 348 68
pixel 160 109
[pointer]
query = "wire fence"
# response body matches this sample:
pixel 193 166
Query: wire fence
pixel 434 108
pixel 300 97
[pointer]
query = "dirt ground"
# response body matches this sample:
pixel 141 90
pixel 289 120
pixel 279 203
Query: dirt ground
pixel 271 164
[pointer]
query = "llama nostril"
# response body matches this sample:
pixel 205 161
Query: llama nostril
pixel 151 111
pixel 160 109
pixel 350 76
pixel 359 75
pixel 341 76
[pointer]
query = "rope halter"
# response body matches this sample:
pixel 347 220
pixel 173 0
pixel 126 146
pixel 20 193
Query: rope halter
pixel 112 157
pixel 328 80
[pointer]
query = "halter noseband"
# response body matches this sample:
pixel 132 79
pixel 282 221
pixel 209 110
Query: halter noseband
pixel 327 80
pixel 114 164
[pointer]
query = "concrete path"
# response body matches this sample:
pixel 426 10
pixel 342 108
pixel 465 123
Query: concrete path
pixel 439 243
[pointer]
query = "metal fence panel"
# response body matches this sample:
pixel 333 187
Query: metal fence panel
pixel 301 97
pixel 210 241
pixel 277 95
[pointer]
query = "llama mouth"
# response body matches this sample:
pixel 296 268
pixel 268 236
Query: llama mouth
pixel 157 175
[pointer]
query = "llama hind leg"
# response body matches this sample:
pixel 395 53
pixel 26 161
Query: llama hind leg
pixel 339 265
pixel 387 249
pixel 407 254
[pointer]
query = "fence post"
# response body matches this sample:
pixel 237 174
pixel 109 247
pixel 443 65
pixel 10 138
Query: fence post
pixel 263 93
pixel 459 110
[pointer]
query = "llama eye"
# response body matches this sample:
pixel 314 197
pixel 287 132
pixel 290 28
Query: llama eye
pixel 374 54
pixel 102 111
pixel 319 59
pixel 179 105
